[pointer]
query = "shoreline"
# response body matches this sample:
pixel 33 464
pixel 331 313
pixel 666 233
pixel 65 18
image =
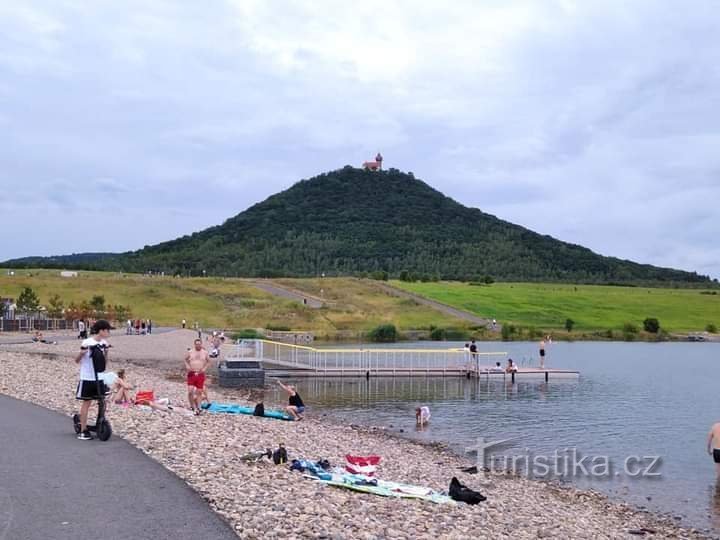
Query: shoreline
pixel 249 497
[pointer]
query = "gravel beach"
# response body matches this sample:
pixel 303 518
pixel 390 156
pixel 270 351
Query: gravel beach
pixel 267 501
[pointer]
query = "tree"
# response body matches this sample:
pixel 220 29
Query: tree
pixel 97 304
pixel 72 312
pixel 28 302
pixel 122 313
pixel 652 325
pixel 488 280
pixel 569 323
pixel 55 307
pixel 711 328
pixel 404 275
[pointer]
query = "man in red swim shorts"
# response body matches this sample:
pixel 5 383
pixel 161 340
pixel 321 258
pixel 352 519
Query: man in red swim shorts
pixel 196 363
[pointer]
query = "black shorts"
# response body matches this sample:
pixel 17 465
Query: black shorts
pixel 716 455
pixel 88 390
pixel 542 352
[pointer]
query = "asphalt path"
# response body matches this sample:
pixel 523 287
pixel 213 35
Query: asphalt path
pixel 55 486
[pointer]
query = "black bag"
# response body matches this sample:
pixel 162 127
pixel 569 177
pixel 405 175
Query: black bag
pixel 461 493
pixel 280 456
pixel 259 410
pixel 97 354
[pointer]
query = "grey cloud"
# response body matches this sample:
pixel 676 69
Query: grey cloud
pixel 583 121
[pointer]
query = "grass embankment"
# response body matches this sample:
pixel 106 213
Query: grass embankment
pixel 592 307
pixel 352 306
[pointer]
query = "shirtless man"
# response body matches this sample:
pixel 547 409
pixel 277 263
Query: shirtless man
pixel 196 364
pixel 713 446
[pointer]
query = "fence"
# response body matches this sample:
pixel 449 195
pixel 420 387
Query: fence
pixel 372 360
pixel 29 325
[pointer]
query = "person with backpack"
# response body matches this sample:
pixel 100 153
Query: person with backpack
pixel 92 358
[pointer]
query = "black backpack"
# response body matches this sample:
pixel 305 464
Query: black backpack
pixel 280 455
pixel 259 410
pixel 97 354
pixel 459 492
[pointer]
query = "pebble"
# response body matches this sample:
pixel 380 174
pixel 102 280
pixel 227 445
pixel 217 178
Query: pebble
pixel 268 501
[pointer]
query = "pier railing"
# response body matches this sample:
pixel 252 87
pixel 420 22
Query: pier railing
pixel 284 355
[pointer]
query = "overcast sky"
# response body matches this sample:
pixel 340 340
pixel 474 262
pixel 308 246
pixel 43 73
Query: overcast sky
pixel 128 123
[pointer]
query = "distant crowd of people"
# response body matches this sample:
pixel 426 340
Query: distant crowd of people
pixel 139 327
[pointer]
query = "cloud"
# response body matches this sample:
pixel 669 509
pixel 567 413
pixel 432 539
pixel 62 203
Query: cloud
pixel 593 122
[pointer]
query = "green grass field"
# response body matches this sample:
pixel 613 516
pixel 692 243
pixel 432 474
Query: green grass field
pixel 352 305
pixel 547 306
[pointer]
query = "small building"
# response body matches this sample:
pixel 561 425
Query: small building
pixel 67 273
pixel 374 165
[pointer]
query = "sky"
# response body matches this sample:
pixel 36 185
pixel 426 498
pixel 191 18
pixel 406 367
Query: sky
pixel 127 124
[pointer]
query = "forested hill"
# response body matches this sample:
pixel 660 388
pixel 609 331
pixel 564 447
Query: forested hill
pixel 352 221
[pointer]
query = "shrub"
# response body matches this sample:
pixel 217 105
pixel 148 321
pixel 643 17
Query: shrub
pixel 277 327
pixel 404 275
pixel 385 333
pixel 629 328
pixel 505 332
pixel 437 334
pixel 380 275
pixel 569 323
pixel 711 328
pixel 652 325
pixel 457 334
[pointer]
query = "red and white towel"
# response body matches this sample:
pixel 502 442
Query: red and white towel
pixel 366 465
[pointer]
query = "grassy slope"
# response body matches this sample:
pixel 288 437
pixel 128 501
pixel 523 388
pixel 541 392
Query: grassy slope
pixel 354 305
pixel 352 302
pixel 591 307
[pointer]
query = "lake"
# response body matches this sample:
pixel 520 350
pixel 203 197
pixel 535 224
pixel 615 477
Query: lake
pixel 639 415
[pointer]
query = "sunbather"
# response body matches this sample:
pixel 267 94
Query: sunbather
pixel 121 389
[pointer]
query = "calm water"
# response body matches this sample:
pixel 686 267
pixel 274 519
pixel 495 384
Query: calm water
pixel 632 399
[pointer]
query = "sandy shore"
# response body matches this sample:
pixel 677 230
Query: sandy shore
pixel 267 501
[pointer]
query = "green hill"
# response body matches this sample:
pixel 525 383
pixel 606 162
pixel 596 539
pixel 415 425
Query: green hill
pixel 351 221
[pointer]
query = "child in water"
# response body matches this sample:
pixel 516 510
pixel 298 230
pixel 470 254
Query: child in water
pixel 422 415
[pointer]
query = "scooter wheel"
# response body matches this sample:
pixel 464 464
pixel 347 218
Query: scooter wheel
pixel 104 430
pixel 76 422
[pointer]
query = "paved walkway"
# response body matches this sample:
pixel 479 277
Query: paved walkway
pixel 54 486
pixel 291 294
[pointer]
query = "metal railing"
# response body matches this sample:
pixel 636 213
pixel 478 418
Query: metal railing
pixel 361 360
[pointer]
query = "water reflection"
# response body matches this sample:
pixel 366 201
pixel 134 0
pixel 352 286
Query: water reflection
pixel 329 392
pixel 632 399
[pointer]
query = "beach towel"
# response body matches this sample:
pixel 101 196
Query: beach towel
pixel 374 486
pixel 232 408
pixel 366 465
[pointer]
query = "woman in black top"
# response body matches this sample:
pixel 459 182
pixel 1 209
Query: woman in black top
pixel 295 406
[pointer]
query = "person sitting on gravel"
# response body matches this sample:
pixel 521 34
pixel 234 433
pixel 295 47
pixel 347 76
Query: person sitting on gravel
pixel 38 338
pixel 121 389
pixel 295 406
